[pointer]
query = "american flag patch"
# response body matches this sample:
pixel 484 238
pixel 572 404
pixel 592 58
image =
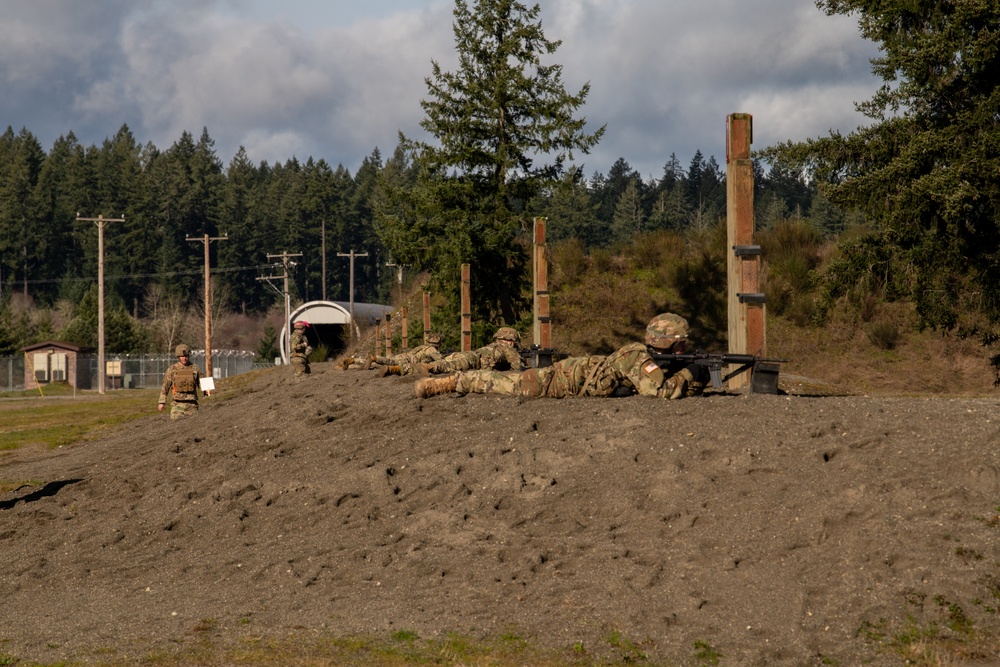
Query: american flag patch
pixel 650 367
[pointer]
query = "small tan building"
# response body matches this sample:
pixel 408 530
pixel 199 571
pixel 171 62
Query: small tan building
pixel 55 361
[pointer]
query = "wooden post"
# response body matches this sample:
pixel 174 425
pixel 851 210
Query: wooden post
pixel 542 328
pixel 745 299
pixel 427 314
pixel 378 337
pixel 388 336
pixel 466 309
pixel 402 327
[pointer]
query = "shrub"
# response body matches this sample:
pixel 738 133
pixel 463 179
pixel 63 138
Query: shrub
pixel 884 334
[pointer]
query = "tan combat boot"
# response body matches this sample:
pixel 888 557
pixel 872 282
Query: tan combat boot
pixel 433 386
pixel 370 362
pixel 346 363
pixel 392 370
pixel 423 370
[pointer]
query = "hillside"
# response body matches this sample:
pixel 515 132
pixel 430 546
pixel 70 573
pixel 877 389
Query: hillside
pixel 798 529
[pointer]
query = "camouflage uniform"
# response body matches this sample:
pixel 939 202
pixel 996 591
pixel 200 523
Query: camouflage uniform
pixel 181 381
pixel 631 369
pixel 501 355
pixel 406 361
pixel 628 370
pixel 300 349
pixel 563 378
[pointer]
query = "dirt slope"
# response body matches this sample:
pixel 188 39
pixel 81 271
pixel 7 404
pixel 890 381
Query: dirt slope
pixel 776 529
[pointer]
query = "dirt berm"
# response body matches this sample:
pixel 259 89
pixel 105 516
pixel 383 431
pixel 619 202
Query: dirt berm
pixel 762 530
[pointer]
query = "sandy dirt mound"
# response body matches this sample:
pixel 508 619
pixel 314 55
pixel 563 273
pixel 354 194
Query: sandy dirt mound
pixel 775 529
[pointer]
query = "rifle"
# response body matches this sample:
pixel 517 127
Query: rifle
pixel 538 357
pixel 763 371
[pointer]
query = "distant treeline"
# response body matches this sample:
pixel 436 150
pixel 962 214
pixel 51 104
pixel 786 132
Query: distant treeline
pixel 170 199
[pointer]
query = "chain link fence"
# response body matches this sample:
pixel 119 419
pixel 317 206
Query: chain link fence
pixel 133 371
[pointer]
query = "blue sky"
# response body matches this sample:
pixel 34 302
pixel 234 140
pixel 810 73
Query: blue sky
pixel 334 79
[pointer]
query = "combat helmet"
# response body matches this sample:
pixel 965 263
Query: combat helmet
pixel 666 329
pixel 508 333
pixel 183 350
pixel 434 338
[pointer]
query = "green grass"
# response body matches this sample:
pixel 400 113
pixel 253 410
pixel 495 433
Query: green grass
pixel 402 648
pixel 57 417
pixel 53 421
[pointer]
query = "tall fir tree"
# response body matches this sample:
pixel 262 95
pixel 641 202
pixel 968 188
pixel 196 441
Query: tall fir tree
pixel 504 124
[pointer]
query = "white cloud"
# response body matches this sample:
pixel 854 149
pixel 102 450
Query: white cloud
pixel 326 80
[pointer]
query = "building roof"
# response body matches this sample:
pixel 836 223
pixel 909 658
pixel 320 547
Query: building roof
pixel 62 345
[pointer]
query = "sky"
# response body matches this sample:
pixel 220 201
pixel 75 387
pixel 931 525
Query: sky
pixel 335 79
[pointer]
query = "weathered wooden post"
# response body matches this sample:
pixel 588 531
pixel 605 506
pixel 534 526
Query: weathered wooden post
pixel 746 300
pixel 427 314
pixel 402 330
pixel 542 327
pixel 466 309
pixel 378 337
pixel 388 336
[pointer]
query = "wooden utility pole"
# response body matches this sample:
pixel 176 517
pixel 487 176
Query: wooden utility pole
pixel 323 256
pixel 100 220
pixel 466 309
pixel 352 255
pixel 746 301
pixel 285 263
pixel 542 327
pixel 206 239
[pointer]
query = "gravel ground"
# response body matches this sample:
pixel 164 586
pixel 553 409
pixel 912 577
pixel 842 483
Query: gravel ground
pixel 795 529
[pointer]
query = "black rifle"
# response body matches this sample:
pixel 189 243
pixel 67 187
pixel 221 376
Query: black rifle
pixel 763 372
pixel 539 357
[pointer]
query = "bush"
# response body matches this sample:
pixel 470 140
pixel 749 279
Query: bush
pixel 884 334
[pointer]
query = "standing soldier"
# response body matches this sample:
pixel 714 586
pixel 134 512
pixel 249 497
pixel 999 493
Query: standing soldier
pixel 300 349
pixel 181 381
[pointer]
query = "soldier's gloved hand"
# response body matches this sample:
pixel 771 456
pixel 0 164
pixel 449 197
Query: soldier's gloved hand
pixel 681 380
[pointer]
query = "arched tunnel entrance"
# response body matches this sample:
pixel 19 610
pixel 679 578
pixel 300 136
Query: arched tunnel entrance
pixel 329 322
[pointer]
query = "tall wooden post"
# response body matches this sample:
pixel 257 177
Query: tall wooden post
pixel 388 336
pixel 427 314
pixel 542 328
pixel 378 337
pixel 466 309
pixel 745 299
pixel 402 331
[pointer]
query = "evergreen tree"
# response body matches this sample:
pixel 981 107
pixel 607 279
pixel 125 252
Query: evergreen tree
pixel 504 125
pixel 122 333
pixel 629 218
pixel 924 171
pixel 22 240
pixel 58 193
pixel 570 211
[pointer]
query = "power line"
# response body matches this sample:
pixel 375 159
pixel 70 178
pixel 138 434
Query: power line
pixel 168 274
